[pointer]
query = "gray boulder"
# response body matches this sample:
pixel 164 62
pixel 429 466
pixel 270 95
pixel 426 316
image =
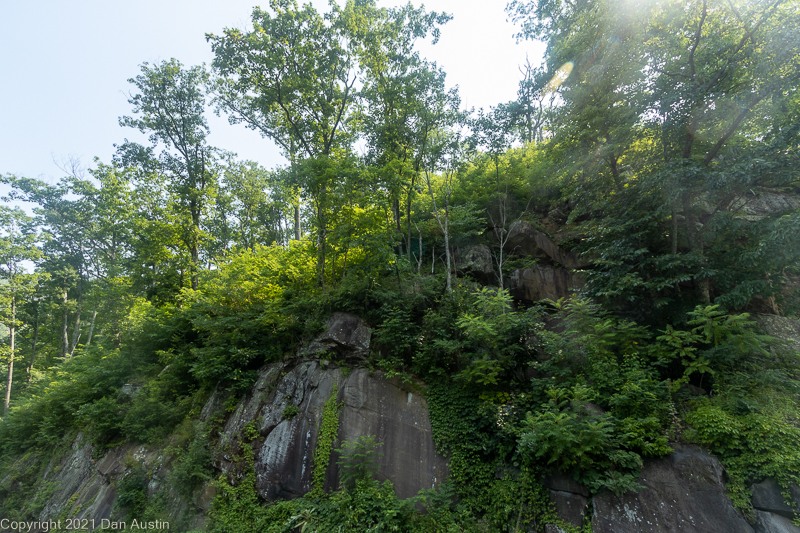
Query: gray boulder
pixel 768 497
pixel 773 523
pixel 682 492
pixel 371 405
pixel 345 335
pixel 397 415
pixel 757 205
pixel 543 281
pixel 570 507
pixel 524 239
pixel 782 328
pixel 477 261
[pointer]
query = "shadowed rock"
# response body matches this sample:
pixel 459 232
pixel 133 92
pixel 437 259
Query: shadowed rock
pixel 782 328
pixel 543 281
pixel 773 523
pixel 768 497
pixel 524 239
pixel 371 405
pixel 683 492
pixel 477 261
pixel 345 335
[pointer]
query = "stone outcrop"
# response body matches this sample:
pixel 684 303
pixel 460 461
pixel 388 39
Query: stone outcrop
pixel 754 205
pixel 682 492
pixel 395 414
pixel 543 281
pixel 760 204
pixel 524 239
pixel 773 511
pixel 83 487
pixel 345 335
pixel 782 328
pixel 477 261
pixel 772 523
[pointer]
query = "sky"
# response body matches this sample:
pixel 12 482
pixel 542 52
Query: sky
pixel 64 68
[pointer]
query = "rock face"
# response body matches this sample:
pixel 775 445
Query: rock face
pixel 773 513
pixel 524 239
pixel 683 492
pixel 395 414
pixel 772 523
pixel 543 281
pixel 79 486
pixel 782 328
pixel 753 207
pixel 345 335
pixel 477 261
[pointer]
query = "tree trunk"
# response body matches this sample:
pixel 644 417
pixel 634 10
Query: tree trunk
pixel 195 258
pixel 76 331
pixel 703 285
pixel 64 333
pixel 298 232
pixel 91 327
pixel 29 370
pixel 12 331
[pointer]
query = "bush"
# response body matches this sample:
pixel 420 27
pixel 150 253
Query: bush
pixel 358 460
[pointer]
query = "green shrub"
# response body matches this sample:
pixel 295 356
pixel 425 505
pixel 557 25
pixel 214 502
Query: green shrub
pixel 132 491
pixel 357 460
pixel 193 466
pixel 289 412
pixel 751 446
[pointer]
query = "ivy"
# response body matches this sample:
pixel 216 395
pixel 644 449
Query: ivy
pixel 328 431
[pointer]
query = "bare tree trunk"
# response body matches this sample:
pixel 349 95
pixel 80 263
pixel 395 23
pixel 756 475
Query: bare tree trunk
pixel 447 247
pixel 12 331
pixel 408 220
pixel 445 227
pixel 76 331
pixel 91 327
pixel 64 334
pixel 29 370
pixel 703 285
pixel 321 240
pixel 344 266
pixel 419 261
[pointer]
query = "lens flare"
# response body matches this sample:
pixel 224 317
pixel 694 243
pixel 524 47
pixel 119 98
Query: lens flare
pixel 559 77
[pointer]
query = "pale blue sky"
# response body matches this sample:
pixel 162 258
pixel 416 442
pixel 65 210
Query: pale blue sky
pixel 64 68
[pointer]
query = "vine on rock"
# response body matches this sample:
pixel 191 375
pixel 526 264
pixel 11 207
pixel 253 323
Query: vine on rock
pixel 328 430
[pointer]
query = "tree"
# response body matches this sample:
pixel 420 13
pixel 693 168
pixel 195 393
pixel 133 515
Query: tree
pixel 398 90
pixel 673 101
pixel 292 79
pixel 17 246
pixel 446 157
pixel 169 107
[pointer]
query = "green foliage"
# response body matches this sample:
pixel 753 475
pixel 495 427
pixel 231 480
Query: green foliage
pixel 289 412
pixel 192 466
pixel 328 429
pixel 237 508
pixel 132 490
pixel 494 336
pixel 752 447
pixel 718 340
pixel 591 446
pixel 357 460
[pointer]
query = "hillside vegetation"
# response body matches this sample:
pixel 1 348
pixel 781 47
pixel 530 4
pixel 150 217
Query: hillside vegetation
pixel 657 145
